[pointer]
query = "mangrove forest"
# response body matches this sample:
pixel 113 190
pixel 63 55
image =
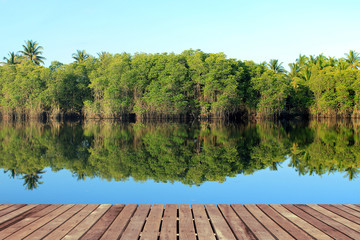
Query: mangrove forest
pixel 189 85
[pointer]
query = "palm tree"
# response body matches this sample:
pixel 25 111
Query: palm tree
pixel 12 59
pixel 275 66
pixel 321 61
pixel 302 60
pixel 353 59
pixel 342 64
pixel 32 52
pixel 13 172
pixel 80 55
pixel 32 180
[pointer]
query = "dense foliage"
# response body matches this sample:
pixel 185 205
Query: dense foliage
pixel 191 84
pixel 171 152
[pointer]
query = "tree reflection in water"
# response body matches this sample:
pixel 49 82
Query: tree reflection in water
pixel 169 152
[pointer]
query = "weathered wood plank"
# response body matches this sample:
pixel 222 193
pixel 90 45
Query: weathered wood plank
pixel 329 221
pixel 16 213
pixel 151 229
pixel 238 227
pixel 186 223
pixel 256 228
pixel 4 206
pixel 341 213
pixel 347 209
pixel 202 223
pixel 168 227
pixel 119 224
pixel 100 227
pixel 88 222
pixel 137 222
pixel 27 220
pixel 222 229
pixel 268 223
pixel 332 232
pixel 39 223
pixel 56 222
pixel 336 217
pixel 22 216
pixel 310 229
pixel 290 227
pixel 63 229
pixel 10 209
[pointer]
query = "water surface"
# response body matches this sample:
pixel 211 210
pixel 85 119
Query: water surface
pixel 107 162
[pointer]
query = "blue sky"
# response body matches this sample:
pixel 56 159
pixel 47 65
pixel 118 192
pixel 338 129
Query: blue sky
pixel 246 30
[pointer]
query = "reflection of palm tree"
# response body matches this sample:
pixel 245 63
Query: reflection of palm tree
pixel 32 52
pixel 352 172
pixel 80 175
pixel 13 172
pixel 32 180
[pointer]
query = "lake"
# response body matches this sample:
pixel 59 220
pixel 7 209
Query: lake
pixel 167 162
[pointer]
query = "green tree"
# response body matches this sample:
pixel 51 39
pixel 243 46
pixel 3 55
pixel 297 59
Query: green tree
pixel 33 52
pixel 12 58
pixel 80 55
pixel 353 59
pixel 275 66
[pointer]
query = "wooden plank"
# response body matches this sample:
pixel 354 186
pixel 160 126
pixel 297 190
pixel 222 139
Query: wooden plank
pixel 39 223
pixel 240 230
pixel 4 206
pixel 56 222
pixel 88 222
pixel 119 224
pixel 222 229
pixel 336 217
pixel 310 229
pixel 268 223
pixel 136 222
pixel 100 227
pixel 332 232
pixel 329 221
pixel 63 229
pixel 256 228
pixel 152 226
pixel 353 207
pixel 290 227
pixel 341 213
pixel 186 223
pixel 10 209
pixel 348 210
pixel 168 226
pixel 22 216
pixel 202 223
pixel 16 213
pixel 27 220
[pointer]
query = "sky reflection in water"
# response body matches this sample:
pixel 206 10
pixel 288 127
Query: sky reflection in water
pixel 179 163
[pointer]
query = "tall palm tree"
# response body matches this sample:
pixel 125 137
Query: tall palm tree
pixel 80 55
pixel 302 61
pixel 32 180
pixel 353 59
pixel 32 52
pixel 275 66
pixel 342 64
pixel 12 59
pixel 321 61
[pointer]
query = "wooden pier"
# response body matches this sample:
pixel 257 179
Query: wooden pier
pixel 82 221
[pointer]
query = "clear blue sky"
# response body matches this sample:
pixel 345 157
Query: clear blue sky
pixel 246 30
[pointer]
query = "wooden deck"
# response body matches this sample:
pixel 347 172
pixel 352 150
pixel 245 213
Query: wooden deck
pixel 207 222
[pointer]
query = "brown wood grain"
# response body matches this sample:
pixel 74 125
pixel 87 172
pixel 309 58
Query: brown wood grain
pixel 186 223
pixel 329 221
pixel 136 223
pixel 168 227
pixel 202 223
pixel 151 229
pixel 222 229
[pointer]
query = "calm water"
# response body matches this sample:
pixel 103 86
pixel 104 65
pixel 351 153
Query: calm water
pixel 105 162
